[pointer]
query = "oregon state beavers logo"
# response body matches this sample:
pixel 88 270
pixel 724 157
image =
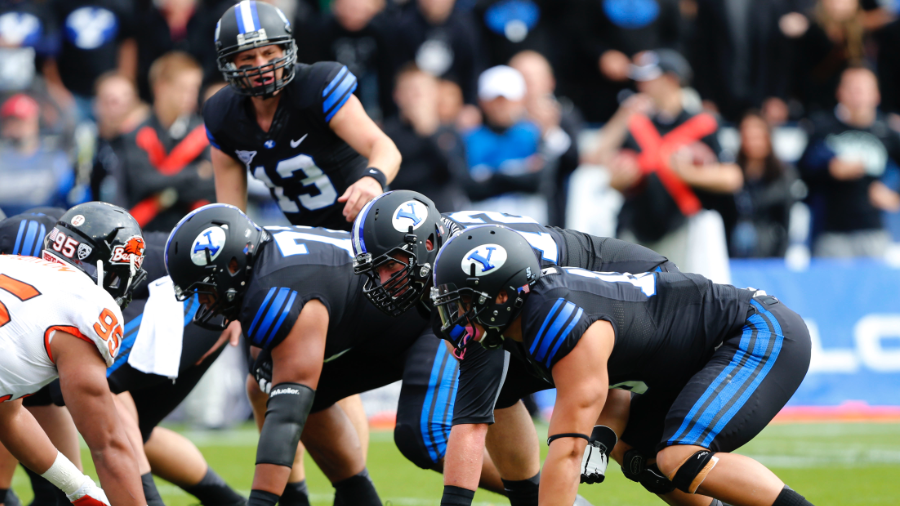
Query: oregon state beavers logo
pixel 133 248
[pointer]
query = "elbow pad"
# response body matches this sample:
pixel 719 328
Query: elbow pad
pixel 286 412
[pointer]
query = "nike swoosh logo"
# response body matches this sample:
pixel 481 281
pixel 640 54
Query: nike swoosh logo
pixel 296 143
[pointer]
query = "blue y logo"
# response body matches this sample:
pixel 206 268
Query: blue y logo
pixel 409 215
pixel 485 262
pixel 208 246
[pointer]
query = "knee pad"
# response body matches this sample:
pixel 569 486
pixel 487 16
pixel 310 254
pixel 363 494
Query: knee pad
pixel 635 468
pixel 409 441
pixel 694 470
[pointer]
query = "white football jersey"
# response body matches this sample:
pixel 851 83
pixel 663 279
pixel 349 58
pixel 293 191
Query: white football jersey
pixel 38 298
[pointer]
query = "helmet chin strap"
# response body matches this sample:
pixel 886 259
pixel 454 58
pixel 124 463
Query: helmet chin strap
pixel 100 273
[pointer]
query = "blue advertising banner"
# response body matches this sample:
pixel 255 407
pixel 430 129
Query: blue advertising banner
pixel 852 309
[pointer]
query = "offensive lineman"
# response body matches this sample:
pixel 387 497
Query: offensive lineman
pixel 61 317
pixel 298 128
pixel 721 360
pixel 396 240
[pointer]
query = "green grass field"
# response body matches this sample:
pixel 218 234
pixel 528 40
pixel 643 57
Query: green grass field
pixel 831 464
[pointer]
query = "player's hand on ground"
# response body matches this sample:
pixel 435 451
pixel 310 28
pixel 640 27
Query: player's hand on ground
pixel 89 495
pixel 358 195
pixel 596 454
pixel 262 371
pixel 231 334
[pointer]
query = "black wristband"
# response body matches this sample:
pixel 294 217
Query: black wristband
pixel 262 498
pixel 457 496
pixel 567 434
pixel 377 175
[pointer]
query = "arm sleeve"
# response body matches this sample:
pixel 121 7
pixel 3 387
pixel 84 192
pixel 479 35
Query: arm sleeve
pixel 269 315
pixel 333 84
pixel 552 330
pixel 481 375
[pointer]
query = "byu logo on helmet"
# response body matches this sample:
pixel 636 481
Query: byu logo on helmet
pixel 485 259
pixel 410 213
pixel 212 239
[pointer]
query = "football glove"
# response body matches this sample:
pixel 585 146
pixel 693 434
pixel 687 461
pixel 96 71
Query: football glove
pixel 89 494
pixel 262 371
pixel 596 454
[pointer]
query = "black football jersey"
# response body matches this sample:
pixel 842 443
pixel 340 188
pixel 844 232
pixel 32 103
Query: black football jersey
pixel 297 264
pixel 482 371
pixel 667 325
pixel 303 162
pixel 23 234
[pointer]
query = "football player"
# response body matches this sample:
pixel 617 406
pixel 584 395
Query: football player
pixel 61 317
pixel 295 295
pixel 151 396
pixel 297 128
pixel 396 239
pixel 720 361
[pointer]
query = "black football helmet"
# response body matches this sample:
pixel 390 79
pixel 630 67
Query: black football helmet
pixel 248 25
pixel 104 242
pixel 395 227
pixel 470 272
pixel 211 252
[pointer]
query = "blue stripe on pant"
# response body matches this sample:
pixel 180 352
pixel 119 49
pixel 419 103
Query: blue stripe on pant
pixel 437 411
pixel 760 344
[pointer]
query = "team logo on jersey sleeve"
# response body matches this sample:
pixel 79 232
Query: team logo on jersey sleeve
pixel 411 213
pixel 132 250
pixel 211 240
pixel 484 259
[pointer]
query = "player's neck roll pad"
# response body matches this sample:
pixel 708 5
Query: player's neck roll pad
pixel 286 412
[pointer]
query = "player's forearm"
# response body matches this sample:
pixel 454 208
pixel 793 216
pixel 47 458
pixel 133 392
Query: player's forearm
pixel 231 180
pixel 560 476
pixel 118 470
pixel 24 438
pixel 385 156
pixel 465 453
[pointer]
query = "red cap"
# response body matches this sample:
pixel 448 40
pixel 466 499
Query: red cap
pixel 20 105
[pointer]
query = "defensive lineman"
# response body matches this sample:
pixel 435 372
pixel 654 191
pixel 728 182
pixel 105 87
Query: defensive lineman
pixel 298 128
pixel 721 360
pixel 61 317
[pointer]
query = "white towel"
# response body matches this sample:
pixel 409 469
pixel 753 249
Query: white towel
pixel 157 348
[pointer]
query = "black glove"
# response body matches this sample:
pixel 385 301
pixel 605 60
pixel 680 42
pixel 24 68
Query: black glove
pixel 262 371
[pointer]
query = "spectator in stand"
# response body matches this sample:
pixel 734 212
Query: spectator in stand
pixel 666 161
pixel 758 228
pixel 165 160
pixel 740 59
pixel 356 34
pixel 450 104
pixel 610 34
pixel 441 41
pixel 509 169
pixel 34 173
pixel 558 120
pixel 434 161
pixel 848 152
pixel 178 25
pixel 827 40
pixel 117 110
pixel 97 36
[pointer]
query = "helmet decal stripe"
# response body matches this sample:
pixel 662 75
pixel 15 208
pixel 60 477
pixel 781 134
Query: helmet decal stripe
pixel 239 18
pixel 334 82
pixel 359 241
pixel 262 310
pixel 255 16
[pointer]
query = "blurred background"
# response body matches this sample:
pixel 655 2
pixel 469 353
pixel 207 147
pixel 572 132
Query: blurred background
pixel 753 141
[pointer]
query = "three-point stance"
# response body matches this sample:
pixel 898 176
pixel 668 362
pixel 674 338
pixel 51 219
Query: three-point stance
pixel 718 362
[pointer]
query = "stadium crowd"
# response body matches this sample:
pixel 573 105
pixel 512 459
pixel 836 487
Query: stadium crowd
pixel 493 105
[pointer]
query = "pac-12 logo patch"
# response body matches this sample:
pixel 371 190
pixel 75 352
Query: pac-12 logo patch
pixel 212 240
pixel 484 259
pixel 411 213
pixel 84 251
pixel 133 248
